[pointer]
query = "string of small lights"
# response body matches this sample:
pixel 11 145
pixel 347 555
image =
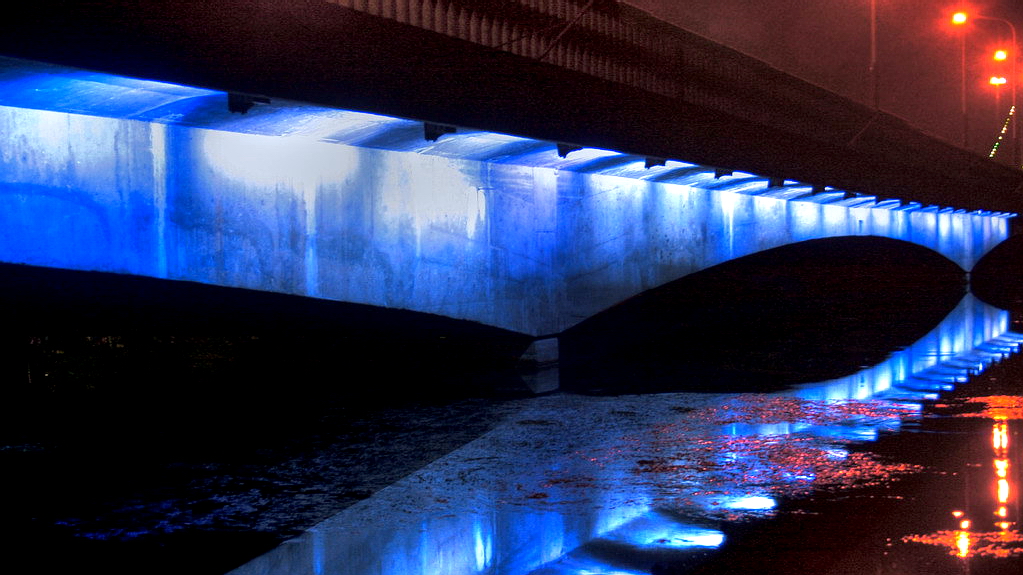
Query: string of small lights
pixel 1001 134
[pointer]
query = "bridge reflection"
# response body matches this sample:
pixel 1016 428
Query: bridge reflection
pixel 574 484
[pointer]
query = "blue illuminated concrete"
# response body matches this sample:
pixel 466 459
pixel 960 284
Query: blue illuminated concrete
pixel 111 174
pixel 656 476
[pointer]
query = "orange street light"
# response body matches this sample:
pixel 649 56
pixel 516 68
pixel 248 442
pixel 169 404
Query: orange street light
pixel 997 82
pixel 1000 55
pixel 959 18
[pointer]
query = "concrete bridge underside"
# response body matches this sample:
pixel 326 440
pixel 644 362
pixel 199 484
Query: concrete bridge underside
pixel 105 173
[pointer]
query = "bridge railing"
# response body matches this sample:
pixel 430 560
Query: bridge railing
pixel 587 72
pixel 623 44
pixel 620 43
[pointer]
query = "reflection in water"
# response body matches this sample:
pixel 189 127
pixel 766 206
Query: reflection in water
pixel 576 485
pixel 993 534
pixel 999 407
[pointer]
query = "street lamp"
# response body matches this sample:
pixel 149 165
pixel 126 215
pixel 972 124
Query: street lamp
pixel 997 82
pixel 960 18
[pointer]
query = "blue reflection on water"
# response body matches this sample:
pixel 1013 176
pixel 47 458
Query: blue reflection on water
pixel 586 485
pixel 751 503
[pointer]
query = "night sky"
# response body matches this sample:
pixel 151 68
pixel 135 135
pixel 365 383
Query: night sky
pixel 827 42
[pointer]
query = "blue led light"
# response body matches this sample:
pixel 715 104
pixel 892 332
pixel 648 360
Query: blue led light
pixel 750 503
pixel 654 530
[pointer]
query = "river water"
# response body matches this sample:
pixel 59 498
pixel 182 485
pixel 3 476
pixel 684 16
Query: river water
pixel 875 472
pixel 804 414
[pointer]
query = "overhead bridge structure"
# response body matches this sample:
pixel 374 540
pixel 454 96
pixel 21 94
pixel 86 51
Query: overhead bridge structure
pixel 246 161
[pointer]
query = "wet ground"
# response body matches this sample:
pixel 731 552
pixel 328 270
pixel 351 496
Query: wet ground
pixel 208 451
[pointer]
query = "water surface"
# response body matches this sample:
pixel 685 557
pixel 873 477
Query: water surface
pixel 871 472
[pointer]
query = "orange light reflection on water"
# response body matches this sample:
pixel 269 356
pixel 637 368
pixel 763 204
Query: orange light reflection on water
pixel 999 407
pixel 962 543
pixel 1000 436
pixel 1006 542
pixel 966 544
pixel 1002 468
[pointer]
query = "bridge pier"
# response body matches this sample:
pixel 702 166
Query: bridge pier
pixel 539 365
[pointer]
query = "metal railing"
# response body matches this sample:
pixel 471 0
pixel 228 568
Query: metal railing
pixel 623 44
pixel 620 43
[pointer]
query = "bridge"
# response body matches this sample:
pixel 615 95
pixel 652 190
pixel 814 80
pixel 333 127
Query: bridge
pixel 422 156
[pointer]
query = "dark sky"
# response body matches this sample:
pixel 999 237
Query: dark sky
pixel 827 42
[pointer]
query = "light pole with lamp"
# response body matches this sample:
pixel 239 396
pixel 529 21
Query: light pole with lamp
pixel 998 82
pixel 960 18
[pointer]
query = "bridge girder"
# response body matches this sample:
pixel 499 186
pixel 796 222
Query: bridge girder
pixel 105 173
pixel 329 55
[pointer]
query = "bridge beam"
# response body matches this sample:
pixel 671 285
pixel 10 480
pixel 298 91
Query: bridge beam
pixel 164 181
pixel 518 243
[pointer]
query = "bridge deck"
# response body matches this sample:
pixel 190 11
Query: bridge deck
pixel 329 55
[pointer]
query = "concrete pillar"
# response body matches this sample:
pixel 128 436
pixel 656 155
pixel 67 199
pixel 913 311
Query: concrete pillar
pixel 538 365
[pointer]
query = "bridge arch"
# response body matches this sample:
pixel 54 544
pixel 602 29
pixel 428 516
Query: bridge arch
pixel 803 312
pixel 678 229
pixel 801 272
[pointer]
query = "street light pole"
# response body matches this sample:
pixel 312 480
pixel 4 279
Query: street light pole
pixel 1015 111
pixel 962 88
pixel 875 97
pixel 959 18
